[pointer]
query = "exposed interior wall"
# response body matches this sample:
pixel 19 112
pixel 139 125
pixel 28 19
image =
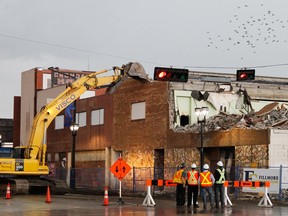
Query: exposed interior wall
pixel 183 104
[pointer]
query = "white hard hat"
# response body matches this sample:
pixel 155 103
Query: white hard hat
pixel 219 163
pixel 193 165
pixel 206 167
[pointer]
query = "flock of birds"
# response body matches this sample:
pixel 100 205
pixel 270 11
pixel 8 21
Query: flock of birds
pixel 251 30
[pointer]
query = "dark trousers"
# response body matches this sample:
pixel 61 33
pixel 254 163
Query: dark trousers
pixel 192 189
pixel 203 191
pixel 180 195
pixel 219 193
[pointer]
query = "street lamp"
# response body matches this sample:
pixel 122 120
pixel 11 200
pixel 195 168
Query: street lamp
pixel 201 114
pixel 74 128
pixel 0 140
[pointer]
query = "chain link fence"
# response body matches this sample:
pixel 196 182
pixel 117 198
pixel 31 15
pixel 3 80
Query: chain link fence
pixel 135 182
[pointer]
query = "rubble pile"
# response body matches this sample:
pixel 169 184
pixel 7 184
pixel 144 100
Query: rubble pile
pixel 285 194
pixel 270 116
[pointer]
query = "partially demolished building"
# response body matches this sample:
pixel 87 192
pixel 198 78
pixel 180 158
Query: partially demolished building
pixel 243 119
pixel 255 108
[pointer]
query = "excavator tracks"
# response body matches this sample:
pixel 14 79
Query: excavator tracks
pixel 33 186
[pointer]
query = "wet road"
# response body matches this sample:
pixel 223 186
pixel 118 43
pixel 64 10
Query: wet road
pixel 34 205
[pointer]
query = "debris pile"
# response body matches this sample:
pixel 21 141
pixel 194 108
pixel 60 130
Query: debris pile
pixel 284 193
pixel 270 116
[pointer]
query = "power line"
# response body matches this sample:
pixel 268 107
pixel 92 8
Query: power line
pixel 223 67
pixel 60 46
pixel 72 48
pixel 131 59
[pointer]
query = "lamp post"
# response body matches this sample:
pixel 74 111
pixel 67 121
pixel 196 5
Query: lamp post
pixel 74 128
pixel 201 114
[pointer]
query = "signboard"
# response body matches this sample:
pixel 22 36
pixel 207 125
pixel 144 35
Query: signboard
pixel 170 183
pixel 61 78
pixel 271 175
pixel 120 168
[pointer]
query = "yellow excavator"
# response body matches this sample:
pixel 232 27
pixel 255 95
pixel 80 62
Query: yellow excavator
pixel 28 164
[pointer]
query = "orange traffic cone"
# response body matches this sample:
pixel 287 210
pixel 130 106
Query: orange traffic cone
pixel 106 202
pixel 48 197
pixel 8 192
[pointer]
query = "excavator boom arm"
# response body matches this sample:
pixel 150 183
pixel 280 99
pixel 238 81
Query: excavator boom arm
pixel 49 112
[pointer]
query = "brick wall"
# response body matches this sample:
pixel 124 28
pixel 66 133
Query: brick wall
pixel 149 133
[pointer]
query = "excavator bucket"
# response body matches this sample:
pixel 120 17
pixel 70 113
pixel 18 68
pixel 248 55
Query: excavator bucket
pixel 135 70
pixel 132 69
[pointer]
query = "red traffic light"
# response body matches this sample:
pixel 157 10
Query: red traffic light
pixel 171 74
pixel 162 74
pixel 244 75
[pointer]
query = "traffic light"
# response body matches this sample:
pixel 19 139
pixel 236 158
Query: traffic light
pixel 244 75
pixel 171 74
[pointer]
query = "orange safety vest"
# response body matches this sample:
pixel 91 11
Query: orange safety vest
pixel 178 176
pixel 193 176
pixel 205 179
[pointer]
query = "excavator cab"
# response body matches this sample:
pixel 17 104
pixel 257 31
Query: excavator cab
pixel 18 152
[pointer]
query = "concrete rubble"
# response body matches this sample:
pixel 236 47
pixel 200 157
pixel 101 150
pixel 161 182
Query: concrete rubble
pixel 273 115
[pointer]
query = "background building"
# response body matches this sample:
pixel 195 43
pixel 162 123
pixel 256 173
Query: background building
pixel 6 132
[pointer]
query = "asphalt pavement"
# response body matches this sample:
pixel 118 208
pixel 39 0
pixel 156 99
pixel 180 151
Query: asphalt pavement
pixel 86 205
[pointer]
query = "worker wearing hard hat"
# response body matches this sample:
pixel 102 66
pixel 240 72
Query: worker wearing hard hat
pixel 192 180
pixel 206 181
pixel 180 178
pixel 218 186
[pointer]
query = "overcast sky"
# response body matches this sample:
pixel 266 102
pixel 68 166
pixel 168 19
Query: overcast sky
pixel 206 35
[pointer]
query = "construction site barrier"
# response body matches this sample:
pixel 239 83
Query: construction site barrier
pixel 149 201
pixel 264 202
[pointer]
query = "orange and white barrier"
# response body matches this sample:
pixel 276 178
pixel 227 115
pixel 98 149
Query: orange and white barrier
pixel 264 202
pixel 149 201
pixel 226 197
pixel 265 199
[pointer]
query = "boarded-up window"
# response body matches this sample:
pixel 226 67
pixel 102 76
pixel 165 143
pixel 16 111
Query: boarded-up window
pixel 81 119
pixel 97 117
pixel 59 122
pixel 138 111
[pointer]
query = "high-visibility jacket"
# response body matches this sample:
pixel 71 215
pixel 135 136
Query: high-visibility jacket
pixel 222 176
pixel 178 176
pixel 192 176
pixel 205 179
